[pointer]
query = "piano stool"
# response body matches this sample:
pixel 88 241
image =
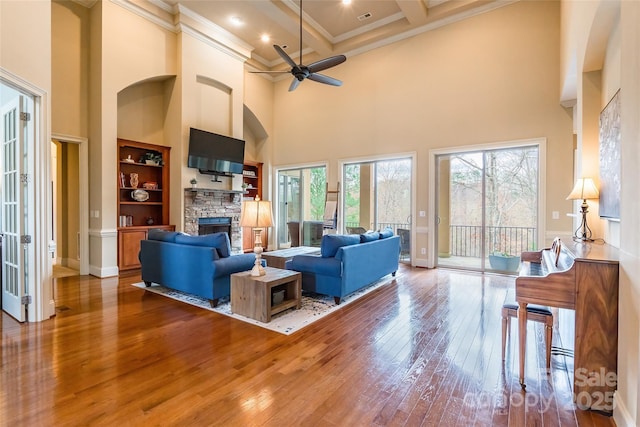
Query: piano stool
pixel 536 313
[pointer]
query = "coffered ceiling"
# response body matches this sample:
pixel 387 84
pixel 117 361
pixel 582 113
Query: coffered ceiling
pixel 329 27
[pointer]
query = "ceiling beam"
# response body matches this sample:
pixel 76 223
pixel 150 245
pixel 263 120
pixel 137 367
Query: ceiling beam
pixel 414 10
pixel 286 15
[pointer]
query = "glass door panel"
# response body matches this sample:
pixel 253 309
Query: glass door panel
pixel 460 210
pixel 511 199
pixel 377 195
pixel 487 204
pixel 288 208
pixel 301 197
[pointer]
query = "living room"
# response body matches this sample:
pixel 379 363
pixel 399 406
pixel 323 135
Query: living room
pixel 497 77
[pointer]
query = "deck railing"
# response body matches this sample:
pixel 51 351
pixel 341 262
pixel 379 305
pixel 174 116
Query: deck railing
pixel 466 240
pixel 382 225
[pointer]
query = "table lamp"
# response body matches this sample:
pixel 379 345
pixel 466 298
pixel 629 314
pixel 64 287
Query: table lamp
pixel 257 215
pixel 583 190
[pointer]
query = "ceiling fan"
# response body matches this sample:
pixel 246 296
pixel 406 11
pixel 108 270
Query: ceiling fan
pixel 311 71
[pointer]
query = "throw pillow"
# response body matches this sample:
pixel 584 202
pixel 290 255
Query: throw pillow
pixel 220 241
pixel 369 236
pixel 387 232
pixel 332 242
pixel 162 235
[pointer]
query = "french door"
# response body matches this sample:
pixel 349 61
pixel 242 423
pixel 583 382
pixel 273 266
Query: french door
pixel 14 207
pixel 487 207
pixel 301 201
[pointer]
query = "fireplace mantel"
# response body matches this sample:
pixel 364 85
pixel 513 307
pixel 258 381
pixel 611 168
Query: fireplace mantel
pixel 213 190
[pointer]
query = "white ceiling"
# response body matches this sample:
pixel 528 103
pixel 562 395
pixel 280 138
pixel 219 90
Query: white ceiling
pixel 329 27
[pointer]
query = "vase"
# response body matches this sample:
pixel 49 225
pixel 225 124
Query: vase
pixel 133 180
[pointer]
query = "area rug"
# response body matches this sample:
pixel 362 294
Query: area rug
pixel 313 307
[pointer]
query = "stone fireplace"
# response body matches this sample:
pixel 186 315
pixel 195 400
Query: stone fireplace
pixel 207 209
pixel 220 224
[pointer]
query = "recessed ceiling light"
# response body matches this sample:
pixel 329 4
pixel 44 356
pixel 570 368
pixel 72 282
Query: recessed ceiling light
pixel 265 38
pixel 346 2
pixel 235 20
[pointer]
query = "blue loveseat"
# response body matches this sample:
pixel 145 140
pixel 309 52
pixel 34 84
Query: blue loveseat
pixel 199 265
pixel 348 262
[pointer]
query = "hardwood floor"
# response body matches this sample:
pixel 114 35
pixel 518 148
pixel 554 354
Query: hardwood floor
pixel 422 350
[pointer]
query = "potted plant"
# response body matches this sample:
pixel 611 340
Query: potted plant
pixel 503 261
pixel 152 158
pixel 194 183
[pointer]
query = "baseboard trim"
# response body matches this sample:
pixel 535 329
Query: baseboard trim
pixel 621 415
pixel 421 262
pixel 103 272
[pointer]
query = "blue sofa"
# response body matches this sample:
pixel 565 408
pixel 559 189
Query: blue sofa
pixel 199 265
pixel 348 262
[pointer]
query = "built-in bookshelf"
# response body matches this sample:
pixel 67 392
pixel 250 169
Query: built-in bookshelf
pixel 252 180
pixel 252 187
pixel 143 196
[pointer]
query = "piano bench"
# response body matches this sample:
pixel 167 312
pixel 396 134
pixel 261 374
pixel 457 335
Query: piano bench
pixel 536 313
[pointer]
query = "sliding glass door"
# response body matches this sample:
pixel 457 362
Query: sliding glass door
pixel 301 200
pixel 487 207
pixel 377 195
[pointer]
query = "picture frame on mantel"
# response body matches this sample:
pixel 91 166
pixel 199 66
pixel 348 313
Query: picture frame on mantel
pixel 610 159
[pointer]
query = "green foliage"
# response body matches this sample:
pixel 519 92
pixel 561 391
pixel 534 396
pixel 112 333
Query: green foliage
pixel 318 188
pixel 153 156
pixel 352 194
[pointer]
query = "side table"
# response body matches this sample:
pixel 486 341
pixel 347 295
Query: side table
pixel 251 296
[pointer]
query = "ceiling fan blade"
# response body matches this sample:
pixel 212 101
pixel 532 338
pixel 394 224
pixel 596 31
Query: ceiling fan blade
pixel 270 72
pixel 323 64
pixel 321 78
pixel 294 84
pixel 284 56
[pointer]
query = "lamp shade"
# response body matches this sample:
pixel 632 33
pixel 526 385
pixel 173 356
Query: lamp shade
pixel 584 189
pixel 256 213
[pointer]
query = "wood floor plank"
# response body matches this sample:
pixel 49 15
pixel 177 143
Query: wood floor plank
pixel 422 400
pixel 423 349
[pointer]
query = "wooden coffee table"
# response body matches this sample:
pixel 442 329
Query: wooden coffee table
pixel 251 295
pixel 278 258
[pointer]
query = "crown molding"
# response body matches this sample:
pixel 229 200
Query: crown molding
pixel 182 19
pixel 206 31
pixel 148 14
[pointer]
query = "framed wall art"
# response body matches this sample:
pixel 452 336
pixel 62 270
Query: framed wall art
pixel 610 159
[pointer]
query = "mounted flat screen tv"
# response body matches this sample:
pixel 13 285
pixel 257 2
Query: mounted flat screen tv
pixel 215 154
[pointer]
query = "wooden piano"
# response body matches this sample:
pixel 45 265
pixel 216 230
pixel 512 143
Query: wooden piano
pixel 581 276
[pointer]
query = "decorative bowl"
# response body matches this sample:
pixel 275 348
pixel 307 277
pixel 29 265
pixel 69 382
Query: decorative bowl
pixel 139 195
